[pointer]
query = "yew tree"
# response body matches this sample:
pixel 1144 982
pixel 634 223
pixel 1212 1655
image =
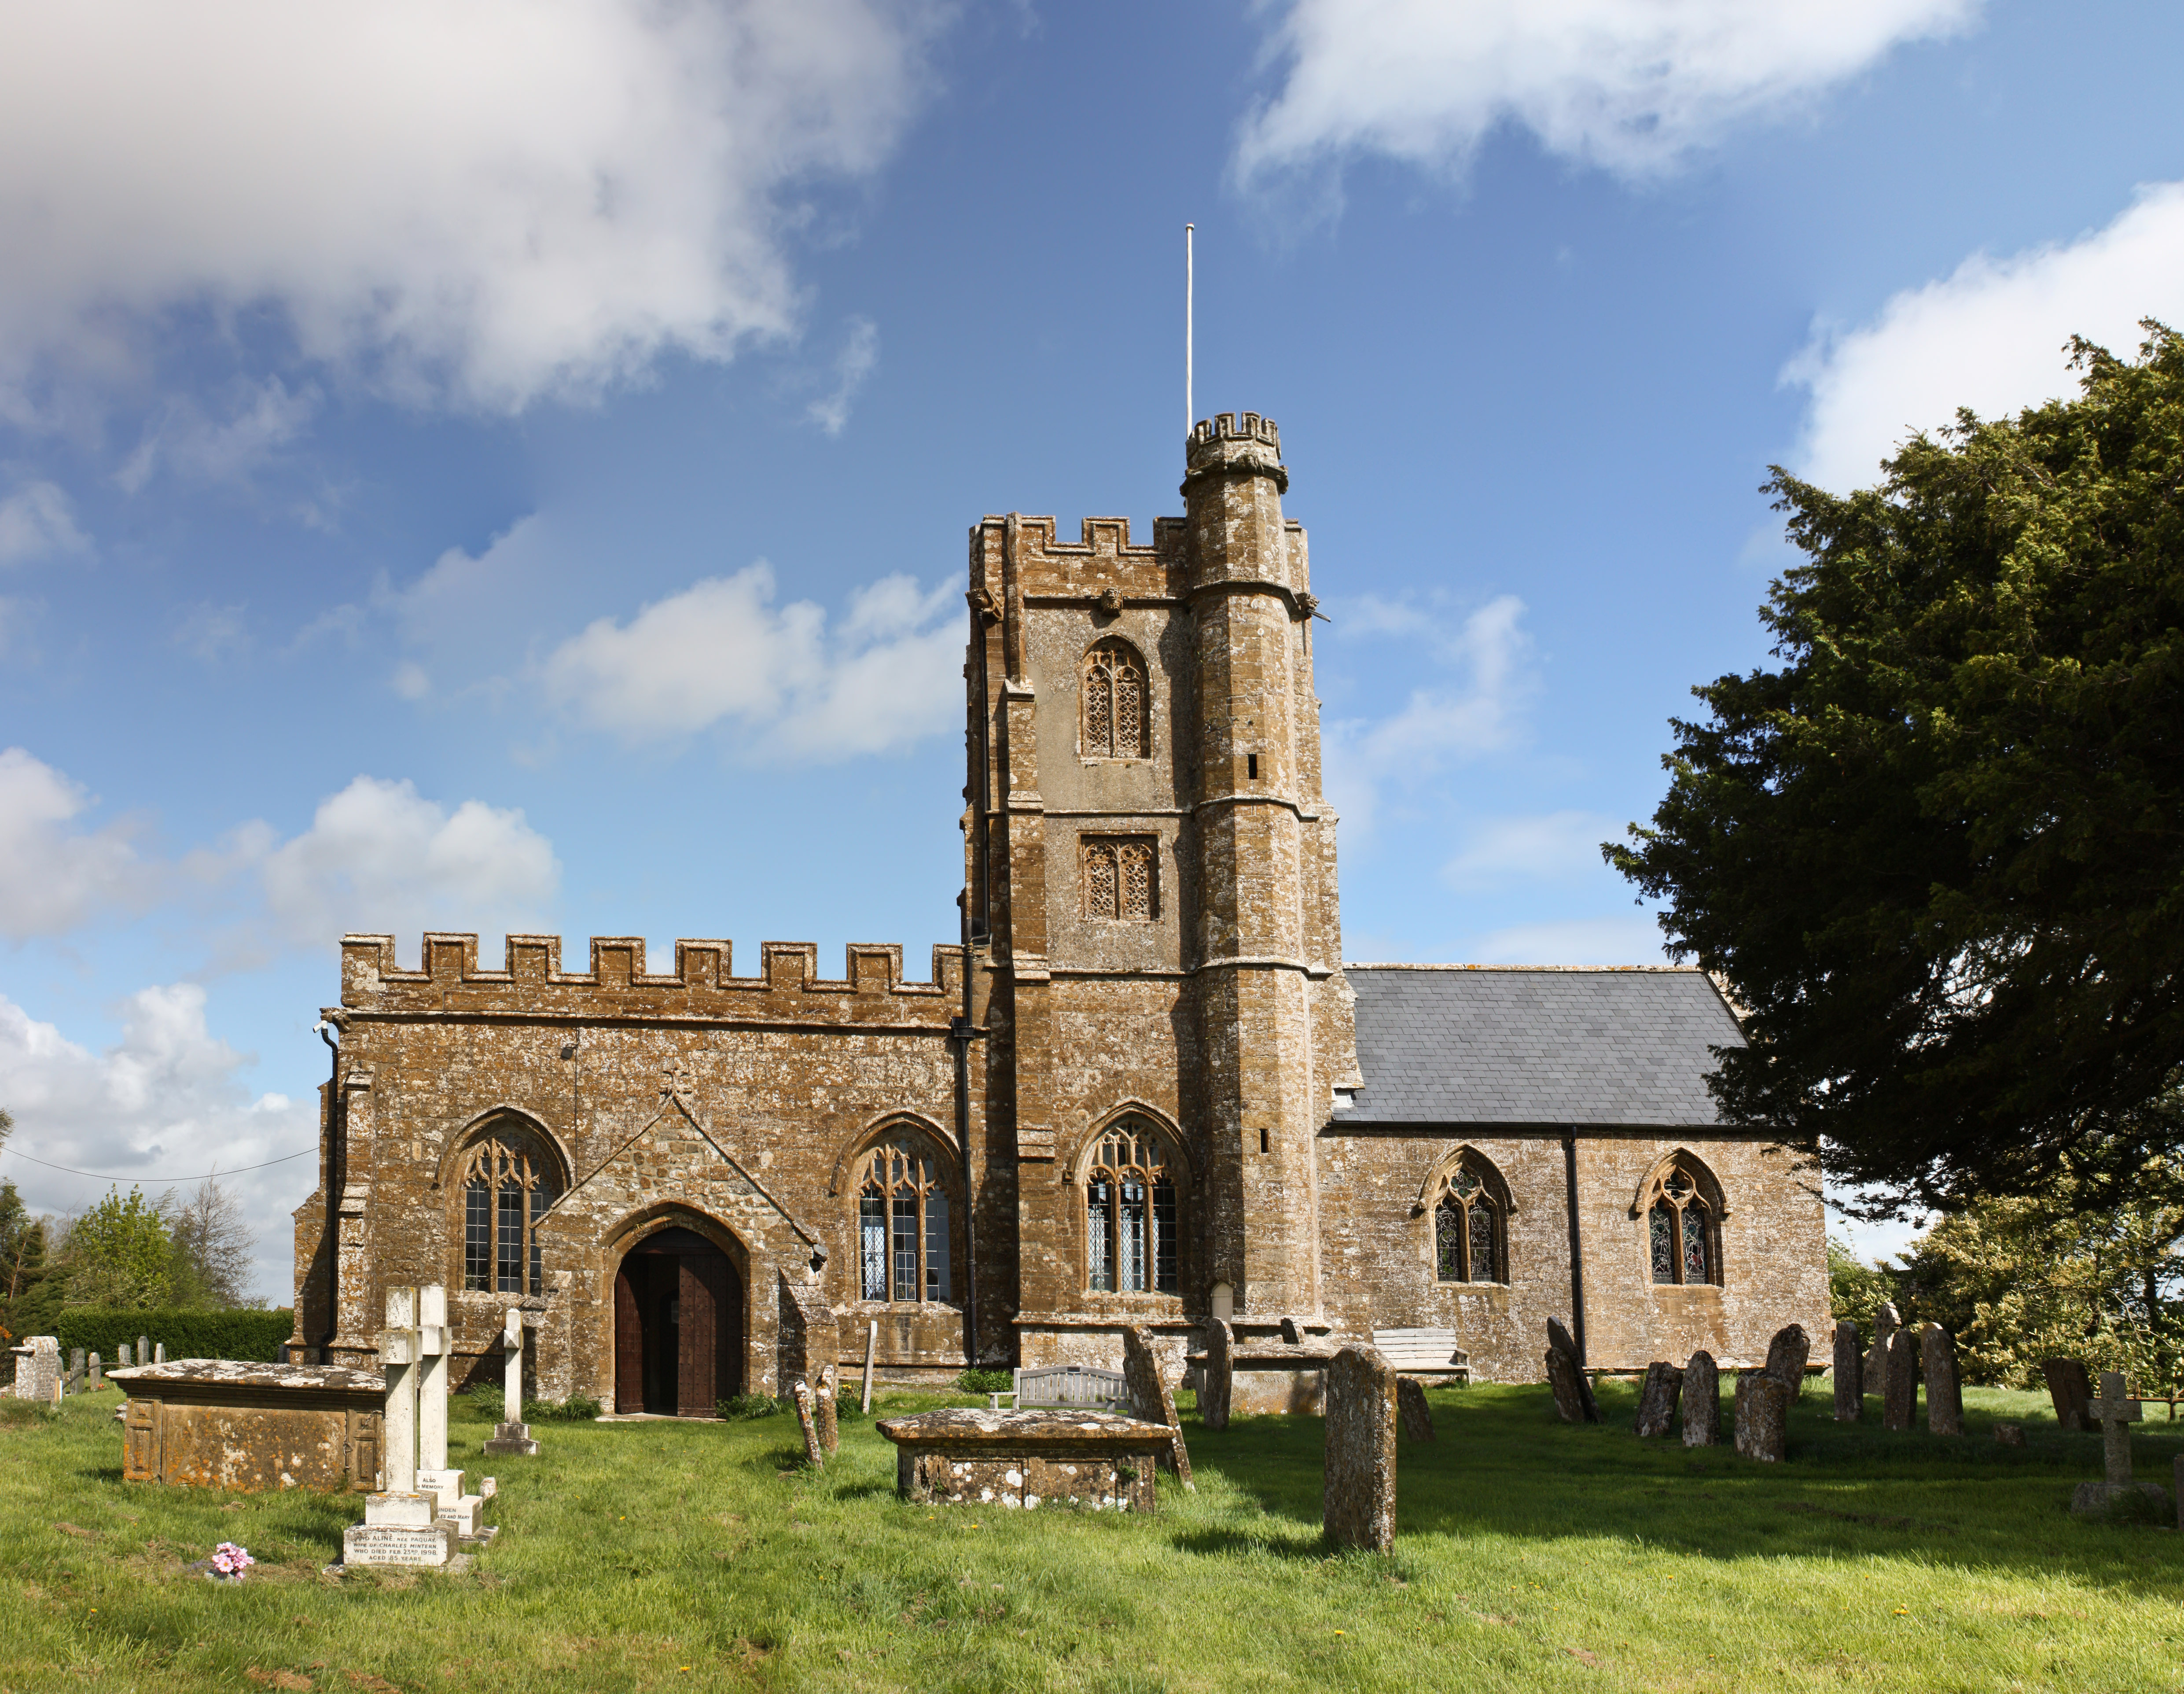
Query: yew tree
pixel 1936 853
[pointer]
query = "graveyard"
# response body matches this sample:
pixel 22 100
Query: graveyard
pixel 1529 1553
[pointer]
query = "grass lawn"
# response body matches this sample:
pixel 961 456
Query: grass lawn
pixel 1531 1554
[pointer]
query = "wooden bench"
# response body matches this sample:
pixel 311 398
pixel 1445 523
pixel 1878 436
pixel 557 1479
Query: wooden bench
pixel 1425 1352
pixel 1086 1385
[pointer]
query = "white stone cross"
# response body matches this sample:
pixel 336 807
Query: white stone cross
pixel 511 1367
pixel 433 1377
pixel 399 1351
pixel 2115 1414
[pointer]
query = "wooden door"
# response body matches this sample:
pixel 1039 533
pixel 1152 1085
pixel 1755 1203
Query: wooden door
pixel 697 1333
pixel 629 1343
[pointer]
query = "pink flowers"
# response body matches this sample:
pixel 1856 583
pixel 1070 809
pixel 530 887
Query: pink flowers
pixel 229 1561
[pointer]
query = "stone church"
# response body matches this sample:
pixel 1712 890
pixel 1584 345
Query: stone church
pixel 1145 1088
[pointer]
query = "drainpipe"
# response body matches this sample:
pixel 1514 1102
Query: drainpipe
pixel 1576 1246
pixel 959 1032
pixel 333 1185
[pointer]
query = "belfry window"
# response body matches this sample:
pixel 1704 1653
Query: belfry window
pixel 507 1187
pixel 1120 878
pixel 1683 1237
pixel 1116 720
pixel 1470 1229
pixel 905 1247
pixel 1131 1235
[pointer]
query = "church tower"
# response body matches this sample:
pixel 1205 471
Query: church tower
pixel 1150 904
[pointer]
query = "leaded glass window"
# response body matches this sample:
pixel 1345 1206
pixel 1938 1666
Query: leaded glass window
pixel 1130 1213
pixel 1116 724
pixel 1469 1227
pixel 905 1240
pixel 508 1188
pixel 1680 1229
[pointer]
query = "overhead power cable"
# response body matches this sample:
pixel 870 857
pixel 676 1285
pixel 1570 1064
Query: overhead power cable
pixel 206 1176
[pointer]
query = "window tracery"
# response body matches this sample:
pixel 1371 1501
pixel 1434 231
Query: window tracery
pixel 507 1183
pixel 1470 1229
pixel 1683 1236
pixel 1119 876
pixel 1132 1235
pixel 905 1244
pixel 1117 722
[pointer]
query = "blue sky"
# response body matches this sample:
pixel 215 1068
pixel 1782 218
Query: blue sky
pixel 499 465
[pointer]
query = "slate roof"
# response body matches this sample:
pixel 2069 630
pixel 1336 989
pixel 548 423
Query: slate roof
pixel 1503 1044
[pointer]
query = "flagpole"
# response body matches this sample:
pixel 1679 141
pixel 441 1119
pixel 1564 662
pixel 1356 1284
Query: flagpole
pixel 1189 414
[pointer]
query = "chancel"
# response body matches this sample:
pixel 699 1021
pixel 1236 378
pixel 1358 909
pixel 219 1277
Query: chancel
pixel 1141 1088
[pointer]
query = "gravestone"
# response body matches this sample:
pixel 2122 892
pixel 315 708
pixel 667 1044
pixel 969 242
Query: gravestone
pixel 1849 1374
pixel 825 1411
pixel 2070 1390
pixel 122 1351
pixel 1151 1399
pixel 1787 1355
pixel 402 1525
pixel 1560 1339
pixel 800 1392
pixel 1656 1400
pixel 2115 1411
pixel 872 1347
pixel 1700 1406
pixel 144 1350
pixel 1885 1322
pixel 1358 1490
pixel 1945 1398
pixel 1220 1374
pixel 1899 1405
pixel 1413 1415
pixel 1762 1417
pixel 2009 1435
pixel 465 1511
pixel 38 1369
pixel 512 1436
pixel 159 1352
pixel 97 1378
pixel 75 1370
pixel 1568 1383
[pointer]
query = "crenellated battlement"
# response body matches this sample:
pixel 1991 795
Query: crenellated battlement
pixel 1022 556
pixel 1235 426
pixel 532 982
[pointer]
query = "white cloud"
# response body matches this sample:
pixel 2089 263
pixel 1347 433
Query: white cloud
pixel 36 521
pixel 165 1100
pixel 379 857
pixel 1632 940
pixel 263 417
pixel 1989 337
pixel 1555 844
pixel 852 366
pixel 721 652
pixel 212 633
pixel 478 203
pixel 53 878
pixel 1435 727
pixel 1628 85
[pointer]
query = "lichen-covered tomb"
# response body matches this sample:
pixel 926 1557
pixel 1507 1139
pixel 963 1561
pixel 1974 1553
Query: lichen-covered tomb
pixel 1145 1089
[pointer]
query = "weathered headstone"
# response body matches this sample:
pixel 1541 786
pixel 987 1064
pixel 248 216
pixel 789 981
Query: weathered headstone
pixel 872 1347
pixel 826 1410
pixel 1786 1358
pixel 512 1436
pixel 1151 1399
pixel 96 1378
pixel 1762 1416
pixel 2070 1390
pixel 1849 1374
pixel 1358 1492
pixel 1413 1415
pixel 75 1370
pixel 1945 1398
pixel 38 1369
pixel 2009 1435
pixel 159 1352
pixel 122 1349
pixel 1568 1383
pixel 2115 1411
pixel 402 1525
pixel 1656 1399
pixel 144 1350
pixel 1560 1339
pixel 1899 1406
pixel 1701 1402
pixel 1213 1398
pixel 800 1392
pixel 1885 1322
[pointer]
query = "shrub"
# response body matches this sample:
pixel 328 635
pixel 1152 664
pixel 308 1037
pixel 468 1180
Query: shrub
pixel 185 1334
pixel 986 1381
pixel 578 1408
pixel 743 1406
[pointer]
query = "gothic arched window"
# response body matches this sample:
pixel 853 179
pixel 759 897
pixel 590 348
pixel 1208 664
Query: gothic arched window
pixel 1471 1235
pixel 1120 879
pixel 508 1183
pixel 1116 719
pixel 1683 1233
pixel 1131 1237
pixel 904 1243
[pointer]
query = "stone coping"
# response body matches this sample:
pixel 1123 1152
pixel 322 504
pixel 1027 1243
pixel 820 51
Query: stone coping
pixel 976 1426
pixel 246 1375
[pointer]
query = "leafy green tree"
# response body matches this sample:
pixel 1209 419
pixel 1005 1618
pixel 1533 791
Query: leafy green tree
pixel 23 1296
pixel 1936 854
pixel 1856 1290
pixel 119 1255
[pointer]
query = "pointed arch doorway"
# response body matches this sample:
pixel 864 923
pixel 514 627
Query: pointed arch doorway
pixel 678 1326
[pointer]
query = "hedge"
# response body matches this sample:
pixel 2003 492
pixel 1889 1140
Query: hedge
pixel 185 1335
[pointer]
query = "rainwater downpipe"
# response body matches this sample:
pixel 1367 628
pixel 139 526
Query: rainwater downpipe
pixel 1576 1246
pixel 334 1139
pixel 960 1031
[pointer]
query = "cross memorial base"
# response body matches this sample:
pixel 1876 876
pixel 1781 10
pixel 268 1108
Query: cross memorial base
pixel 400 1528
pixel 2097 1499
pixel 512 1438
